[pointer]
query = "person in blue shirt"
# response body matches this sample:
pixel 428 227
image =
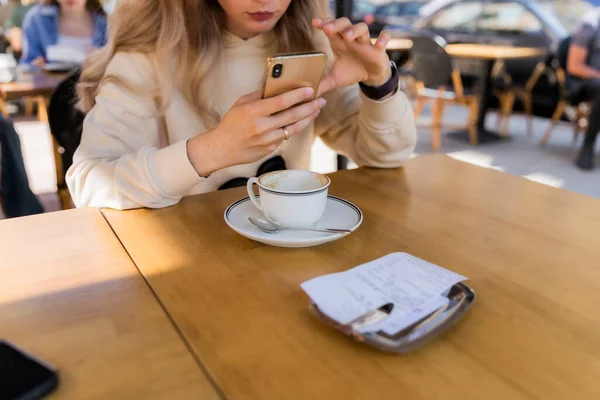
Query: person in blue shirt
pixel 583 67
pixel 78 24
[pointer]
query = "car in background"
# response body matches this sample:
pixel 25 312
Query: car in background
pixel 518 23
pixel 402 13
pixel 512 22
pixel 380 13
pixel 362 10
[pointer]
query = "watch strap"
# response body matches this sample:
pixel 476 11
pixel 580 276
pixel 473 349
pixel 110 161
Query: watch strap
pixel 379 92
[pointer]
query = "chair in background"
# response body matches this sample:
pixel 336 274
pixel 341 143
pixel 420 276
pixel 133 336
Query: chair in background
pixel 406 72
pixel 66 124
pixel 568 98
pixel 507 92
pixel 408 81
pixel 439 81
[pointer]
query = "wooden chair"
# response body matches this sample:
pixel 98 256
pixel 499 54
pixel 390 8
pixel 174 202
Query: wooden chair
pixel 408 82
pixel 62 190
pixel 508 92
pixel 569 100
pixel 31 101
pixel 65 126
pixel 440 81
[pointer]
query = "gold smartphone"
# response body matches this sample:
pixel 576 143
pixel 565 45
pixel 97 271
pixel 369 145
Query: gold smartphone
pixel 286 72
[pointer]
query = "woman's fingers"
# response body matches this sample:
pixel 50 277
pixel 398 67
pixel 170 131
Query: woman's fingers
pixel 336 27
pixel 249 98
pixel 383 39
pixel 358 32
pixel 282 102
pixel 327 84
pixel 320 22
pixel 276 136
pixel 39 62
pixel 295 114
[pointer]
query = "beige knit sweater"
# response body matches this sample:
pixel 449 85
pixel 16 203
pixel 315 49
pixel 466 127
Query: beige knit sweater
pixel 122 162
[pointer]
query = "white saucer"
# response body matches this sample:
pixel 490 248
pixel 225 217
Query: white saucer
pixel 339 213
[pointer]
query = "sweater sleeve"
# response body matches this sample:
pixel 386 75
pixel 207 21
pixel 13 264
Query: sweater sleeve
pixel 118 163
pixel 32 43
pixel 372 133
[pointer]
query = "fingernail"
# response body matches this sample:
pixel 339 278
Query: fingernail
pixel 350 34
pixel 321 102
pixel 309 91
pixel 317 20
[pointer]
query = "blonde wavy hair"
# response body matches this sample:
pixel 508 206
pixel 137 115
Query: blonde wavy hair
pixel 191 33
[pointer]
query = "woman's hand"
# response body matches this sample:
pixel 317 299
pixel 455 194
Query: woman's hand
pixel 252 129
pixel 39 62
pixel 356 58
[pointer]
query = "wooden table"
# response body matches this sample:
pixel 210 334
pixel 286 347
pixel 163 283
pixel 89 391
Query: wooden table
pixel 70 295
pixel 488 54
pixel 398 44
pixel 493 52
pixel 37 83
pixel 36 86
pixel 531 252
pixel 474 50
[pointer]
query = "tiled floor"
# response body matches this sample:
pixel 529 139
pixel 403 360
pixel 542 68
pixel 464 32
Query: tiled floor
pixel 521 155
pixel 39 161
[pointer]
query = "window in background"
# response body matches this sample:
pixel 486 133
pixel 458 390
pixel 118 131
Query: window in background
pixel 412 8
pixel 459 17
pixel 509 17
pixel 390 9
pixel 362 10
pixel 568 12
pixel 404 8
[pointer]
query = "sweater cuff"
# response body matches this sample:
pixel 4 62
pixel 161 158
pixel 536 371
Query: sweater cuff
pixel 172 170
pixel 384 111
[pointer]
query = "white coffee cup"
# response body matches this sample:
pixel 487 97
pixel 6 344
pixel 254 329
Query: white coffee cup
pixel 292 198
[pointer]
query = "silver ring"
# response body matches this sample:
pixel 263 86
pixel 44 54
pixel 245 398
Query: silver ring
pixel 286 133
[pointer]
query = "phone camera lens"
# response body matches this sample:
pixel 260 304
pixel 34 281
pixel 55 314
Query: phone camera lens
pixel 277 70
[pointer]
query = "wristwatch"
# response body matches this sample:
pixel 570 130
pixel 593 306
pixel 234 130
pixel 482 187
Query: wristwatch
pixel 379 92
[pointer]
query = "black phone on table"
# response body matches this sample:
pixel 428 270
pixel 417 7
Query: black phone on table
pixel 22 376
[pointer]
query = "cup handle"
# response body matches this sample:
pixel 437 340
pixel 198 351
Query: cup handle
pixel 250 187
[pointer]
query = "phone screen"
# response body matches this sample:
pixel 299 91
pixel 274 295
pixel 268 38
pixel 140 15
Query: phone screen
pixel 22 377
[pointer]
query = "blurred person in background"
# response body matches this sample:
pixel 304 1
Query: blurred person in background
pixel 14 25
pixel 6 7
pixel 583 67
pixel 16 198
pixel 78 24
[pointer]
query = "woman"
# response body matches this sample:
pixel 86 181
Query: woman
pixel 14 25
pixel 78 24
pixel 174 103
